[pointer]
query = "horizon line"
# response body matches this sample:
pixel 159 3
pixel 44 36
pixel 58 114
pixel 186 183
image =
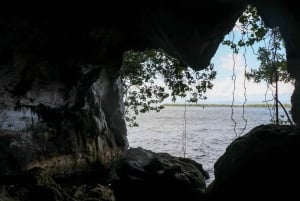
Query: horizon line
pixel 224 105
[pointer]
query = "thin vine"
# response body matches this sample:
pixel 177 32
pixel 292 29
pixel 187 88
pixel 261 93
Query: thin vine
pixel 143 93
pixel 273 67
pixel 183 139
pixel 271 100
pixel 245 93
pixel 233 77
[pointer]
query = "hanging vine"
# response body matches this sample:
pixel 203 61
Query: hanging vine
pixel 273 67
pixel 233 77
pixel 183 138
pixel 245 92
pixel 270 100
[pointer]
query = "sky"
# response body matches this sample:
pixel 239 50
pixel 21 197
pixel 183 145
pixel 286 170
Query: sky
pixel 222 91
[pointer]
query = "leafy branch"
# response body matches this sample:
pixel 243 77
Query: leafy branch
pixel 152 76
pixel 273 65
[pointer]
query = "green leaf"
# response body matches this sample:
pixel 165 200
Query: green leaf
pixel 142 93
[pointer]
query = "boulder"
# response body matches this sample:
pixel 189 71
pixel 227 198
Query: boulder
pixel 145 175
pixel 261 165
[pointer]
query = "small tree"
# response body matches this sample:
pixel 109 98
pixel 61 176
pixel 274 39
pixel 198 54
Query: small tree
pixel 273 66
pixel 272 69
pixel 151 76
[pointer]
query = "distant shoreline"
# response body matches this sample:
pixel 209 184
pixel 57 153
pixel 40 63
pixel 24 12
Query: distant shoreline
pixel 224 105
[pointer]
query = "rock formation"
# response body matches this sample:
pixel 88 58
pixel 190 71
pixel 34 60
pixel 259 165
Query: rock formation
pixel 36 185
pixel 261 165
pixel 61 106
pixel 60 91
pixel 144 175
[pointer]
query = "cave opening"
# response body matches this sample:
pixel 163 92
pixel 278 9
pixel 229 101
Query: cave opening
pixel 202 131
pixel 63 71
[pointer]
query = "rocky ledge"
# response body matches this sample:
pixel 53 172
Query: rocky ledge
pixel 139 175
pixel 145 175
pixel 36 184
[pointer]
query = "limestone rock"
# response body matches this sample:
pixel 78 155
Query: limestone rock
pixel 261 165
pixel 36 184
pixel 145 175
pixel 61 102
pixel 86 129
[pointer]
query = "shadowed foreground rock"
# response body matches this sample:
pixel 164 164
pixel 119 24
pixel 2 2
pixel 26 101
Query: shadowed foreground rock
pixel 141 175
pixel 262 165
pixel 144 175
pixel 37 185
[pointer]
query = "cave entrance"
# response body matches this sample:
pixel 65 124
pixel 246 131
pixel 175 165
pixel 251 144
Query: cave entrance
pixel 235 105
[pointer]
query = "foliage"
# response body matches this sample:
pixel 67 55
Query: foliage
pixel 151 76
pixel 252 28
pixel 271 60
pixel 273 65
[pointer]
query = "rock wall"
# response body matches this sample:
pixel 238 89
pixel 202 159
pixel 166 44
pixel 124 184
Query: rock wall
pixel 63 129
pixel 61 108
pixel 60 91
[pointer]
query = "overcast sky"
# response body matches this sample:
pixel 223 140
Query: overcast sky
pixel 222 92
pixel 223 84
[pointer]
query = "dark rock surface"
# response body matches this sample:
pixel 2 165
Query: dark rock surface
pixel 60 67
pixel 64 68
pixel 73 129
pixel 145 175
pixel 36 185
pixel 262 165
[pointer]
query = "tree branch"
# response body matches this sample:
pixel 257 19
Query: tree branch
pixel 286 113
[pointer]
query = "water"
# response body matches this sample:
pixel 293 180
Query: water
pixel 209 131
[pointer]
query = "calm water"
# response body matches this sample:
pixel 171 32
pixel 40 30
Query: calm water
pixel 209 131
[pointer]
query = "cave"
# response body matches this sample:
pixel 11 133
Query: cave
pixel 62 112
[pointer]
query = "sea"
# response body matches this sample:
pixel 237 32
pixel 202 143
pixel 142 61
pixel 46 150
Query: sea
pixel 199 133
